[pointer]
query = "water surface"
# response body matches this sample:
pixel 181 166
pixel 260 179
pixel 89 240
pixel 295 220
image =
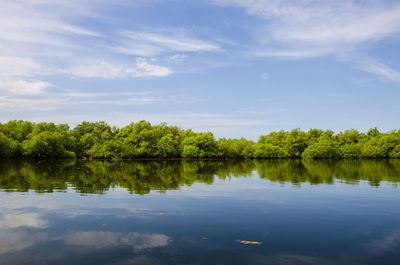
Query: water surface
pixel 198 212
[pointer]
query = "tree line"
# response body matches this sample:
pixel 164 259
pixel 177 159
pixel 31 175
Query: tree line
pixel 99 140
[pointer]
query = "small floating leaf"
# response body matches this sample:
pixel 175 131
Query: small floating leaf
pixel 160 213
pixel 250 242
pixel 104 224
pixel 204 238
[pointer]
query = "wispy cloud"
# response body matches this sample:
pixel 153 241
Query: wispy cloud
pixel 42 22
pixel 155 43
pixel 52 32
pixel 17 74
pixel 77 94
pixel 290 52
pixel 264 76
pixel 142 93
pixel 141 100
pixel 21 87
pixel 102 69
pixel 312 28
pixel 12 103
pixel 175 58
pixel 16 67
pixel 84 95
pixel 69 101
pixel 380 69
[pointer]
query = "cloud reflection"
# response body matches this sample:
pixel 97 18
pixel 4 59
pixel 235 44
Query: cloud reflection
pixel 103 239
pixel 15 220
pixel 388 242
pixel 16 241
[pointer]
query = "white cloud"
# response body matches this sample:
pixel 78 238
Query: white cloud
pixel 98 69
pixel 142 93
pixel 122 102
pixel 155 43
pixel 310 28
pixel 13 104
pixel 21 87
pixel 37 23
pixel 264 76
pixel 101 69
pixel 175 58
pixel 15 74
pixel 139 99
pixel 83 95
pixel 382 70
pixel 53 33
pixel 15 67
pixel 146 69
pixel 294 53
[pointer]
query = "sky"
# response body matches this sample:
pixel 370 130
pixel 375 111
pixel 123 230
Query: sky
pixel 237 68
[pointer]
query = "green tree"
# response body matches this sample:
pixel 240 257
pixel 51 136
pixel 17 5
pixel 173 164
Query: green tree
pixel 142 139
pixel 46 144
pixel 168 146
pixel 395 153
pixel 269 151
pixel 350 150
pixel 295 143
pixel 89 138
pixel 199 145
pixel 326 147
pixel 17 130
pixel 235 148
pixel 8 146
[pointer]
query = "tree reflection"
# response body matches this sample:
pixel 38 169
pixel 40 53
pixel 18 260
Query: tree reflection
pixel 141 177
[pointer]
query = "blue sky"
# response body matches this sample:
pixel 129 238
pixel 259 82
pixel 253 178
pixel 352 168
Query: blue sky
pixel 238 68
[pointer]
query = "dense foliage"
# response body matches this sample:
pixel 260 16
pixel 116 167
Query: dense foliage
pixel 143 140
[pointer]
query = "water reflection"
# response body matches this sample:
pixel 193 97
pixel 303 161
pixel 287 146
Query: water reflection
pixel 203 215
pixel 140 177
pixel 21 245
pixel 103 239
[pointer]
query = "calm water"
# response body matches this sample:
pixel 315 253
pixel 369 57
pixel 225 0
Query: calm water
pixel 191 212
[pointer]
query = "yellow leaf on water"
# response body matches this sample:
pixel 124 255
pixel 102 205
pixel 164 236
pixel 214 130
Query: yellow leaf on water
pixel 160 213
pixel 250 242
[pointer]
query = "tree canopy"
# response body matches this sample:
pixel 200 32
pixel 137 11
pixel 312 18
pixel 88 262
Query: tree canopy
pixel 99 140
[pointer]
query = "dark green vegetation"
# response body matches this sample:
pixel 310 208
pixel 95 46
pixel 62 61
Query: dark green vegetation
pixel 141 177
pixel 143 140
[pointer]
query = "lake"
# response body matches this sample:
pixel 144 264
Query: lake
pixel 200 212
